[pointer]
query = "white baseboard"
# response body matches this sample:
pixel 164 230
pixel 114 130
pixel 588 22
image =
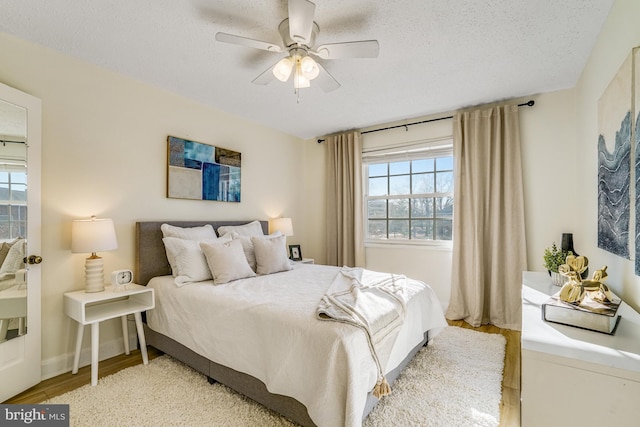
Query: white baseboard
pixel 63 363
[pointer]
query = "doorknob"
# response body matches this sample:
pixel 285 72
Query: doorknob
pixel 33 259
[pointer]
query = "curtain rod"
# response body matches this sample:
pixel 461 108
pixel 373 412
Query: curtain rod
pixel 529 103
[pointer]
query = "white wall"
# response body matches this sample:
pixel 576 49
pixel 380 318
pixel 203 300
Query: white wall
pixel 619 35
pixel 105 153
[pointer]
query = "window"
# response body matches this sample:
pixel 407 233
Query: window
pixel 409 193
pixel 13 204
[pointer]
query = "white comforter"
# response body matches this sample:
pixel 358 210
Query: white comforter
pixel 267 327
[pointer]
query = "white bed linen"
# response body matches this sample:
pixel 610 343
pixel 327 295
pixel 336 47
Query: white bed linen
pixel 327 366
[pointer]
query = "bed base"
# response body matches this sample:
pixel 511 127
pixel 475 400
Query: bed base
pixel 252 387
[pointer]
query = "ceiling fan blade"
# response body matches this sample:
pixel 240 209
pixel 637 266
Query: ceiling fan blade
pixel 325 80
pixel 360 49
pixel 244 41
pixel 301 20
pixel 265 78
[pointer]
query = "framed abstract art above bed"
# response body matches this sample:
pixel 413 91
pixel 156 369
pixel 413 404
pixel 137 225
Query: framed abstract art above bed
pixel 200 171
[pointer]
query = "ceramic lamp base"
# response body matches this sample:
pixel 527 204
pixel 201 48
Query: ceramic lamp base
pixel 94 274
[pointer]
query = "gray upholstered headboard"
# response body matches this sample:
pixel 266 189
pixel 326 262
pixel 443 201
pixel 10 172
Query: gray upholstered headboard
pixel 151 258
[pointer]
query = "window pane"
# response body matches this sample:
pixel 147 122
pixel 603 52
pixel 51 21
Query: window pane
pixel 422 208
pixel 422 183
pixel 19 177
pixel 399 185
pixel 377 209
pixel 18 192
pixel 444 182
pixel 4 176
pixel 397 168
pixel 444 207
pixel 4 192
pixel 399 208
pixel 444 229
pixel 378 229
pixel 423 165
pixel 422 229
pixel 398 229
pixel 444 163
pixel 377 186
pixel 4 222
pixel 378 170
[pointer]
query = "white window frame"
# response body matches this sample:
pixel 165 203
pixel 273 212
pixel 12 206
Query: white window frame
pixel 441 147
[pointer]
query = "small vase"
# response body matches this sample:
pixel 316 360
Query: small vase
pixel 558 279
pixel 567 245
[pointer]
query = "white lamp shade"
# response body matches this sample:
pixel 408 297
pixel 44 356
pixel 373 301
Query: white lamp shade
pixel 283 225
pixel 93 235
pixel 309 68
pixel 282 70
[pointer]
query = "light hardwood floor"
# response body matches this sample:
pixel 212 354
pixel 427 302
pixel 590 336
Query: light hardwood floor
pixel 509 408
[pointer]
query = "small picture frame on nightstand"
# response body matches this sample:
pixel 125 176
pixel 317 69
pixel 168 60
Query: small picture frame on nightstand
pixel 295 253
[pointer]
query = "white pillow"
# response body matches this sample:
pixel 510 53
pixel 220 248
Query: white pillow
pixel 14 260
pixel 226 261
pixel 251 229
pixel 204 232
pixel 271 255
pixel 190 263
pixel 247 245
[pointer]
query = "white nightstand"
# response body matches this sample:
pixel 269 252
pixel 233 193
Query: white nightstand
pixel 92 308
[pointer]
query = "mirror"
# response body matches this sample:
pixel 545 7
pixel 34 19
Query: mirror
pixel 13 220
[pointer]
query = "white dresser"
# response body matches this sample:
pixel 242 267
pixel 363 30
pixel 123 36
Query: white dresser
pixel 575 377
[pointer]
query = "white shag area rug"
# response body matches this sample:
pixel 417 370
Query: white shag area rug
pixel 455 381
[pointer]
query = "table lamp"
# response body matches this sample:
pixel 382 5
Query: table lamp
pixel 91 236
pixel 283 225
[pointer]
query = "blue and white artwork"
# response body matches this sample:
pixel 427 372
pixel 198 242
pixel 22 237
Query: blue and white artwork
pixel 636 79
pixel 614 162
pixel 202 172
pixel 613 191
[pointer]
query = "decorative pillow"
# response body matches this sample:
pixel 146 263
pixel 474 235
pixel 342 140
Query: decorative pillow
pixel 204 232
pixel 247 245
pixel 271 255
pixel 190 263
pixel 226 261
pixel 251 229
pixel 14 259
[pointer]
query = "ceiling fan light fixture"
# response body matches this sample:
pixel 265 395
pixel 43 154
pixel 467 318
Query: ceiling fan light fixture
pixel 309 68
pixel 282 70
pixel 299 80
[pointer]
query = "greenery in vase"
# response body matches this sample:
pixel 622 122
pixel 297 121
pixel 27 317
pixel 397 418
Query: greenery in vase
pixel 554 257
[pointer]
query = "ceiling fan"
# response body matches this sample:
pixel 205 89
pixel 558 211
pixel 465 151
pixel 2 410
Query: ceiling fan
pixel 298 33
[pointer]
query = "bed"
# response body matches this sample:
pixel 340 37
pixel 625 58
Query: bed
pixel 261 335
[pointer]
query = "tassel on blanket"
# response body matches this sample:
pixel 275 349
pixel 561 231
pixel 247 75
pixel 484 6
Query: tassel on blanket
pixel 382 388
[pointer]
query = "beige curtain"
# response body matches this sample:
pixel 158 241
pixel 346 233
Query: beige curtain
pixel 489 247
pixel 345 238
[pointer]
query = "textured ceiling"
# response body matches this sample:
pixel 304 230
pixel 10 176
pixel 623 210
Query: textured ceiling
pixel 435 55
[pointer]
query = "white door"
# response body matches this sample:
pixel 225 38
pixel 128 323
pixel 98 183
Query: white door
pixel 20 344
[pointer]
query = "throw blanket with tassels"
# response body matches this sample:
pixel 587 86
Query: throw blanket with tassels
pixel 374 302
